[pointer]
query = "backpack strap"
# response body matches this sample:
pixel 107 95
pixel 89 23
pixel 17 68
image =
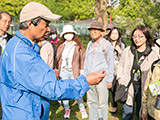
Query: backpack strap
pixel 136 69
pixel 89 44
pixel 105 49
pixel 55 50
pixel 153 64
pixel 55 65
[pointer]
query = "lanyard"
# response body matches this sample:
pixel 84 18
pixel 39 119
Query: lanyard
pixel 137 57
pixel 23 41
pixel 35 46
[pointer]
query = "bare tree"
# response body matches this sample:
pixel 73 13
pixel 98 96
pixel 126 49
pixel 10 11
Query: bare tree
pixel 101 12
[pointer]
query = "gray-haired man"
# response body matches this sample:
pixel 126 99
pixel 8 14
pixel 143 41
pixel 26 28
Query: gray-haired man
pixel 5 22
pixel 99 56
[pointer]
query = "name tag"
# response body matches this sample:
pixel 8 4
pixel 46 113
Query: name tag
pixel 154 88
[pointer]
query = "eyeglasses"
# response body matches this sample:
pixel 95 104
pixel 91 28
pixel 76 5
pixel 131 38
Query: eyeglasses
pixel 6 21
pixel 140 37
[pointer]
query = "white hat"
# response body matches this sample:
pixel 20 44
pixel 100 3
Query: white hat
pixel 68 28
pixel 34 9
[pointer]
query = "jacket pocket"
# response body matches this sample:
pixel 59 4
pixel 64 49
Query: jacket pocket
pixel 21 100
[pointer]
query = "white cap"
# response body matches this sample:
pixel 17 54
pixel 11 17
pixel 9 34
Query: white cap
pixel 67 29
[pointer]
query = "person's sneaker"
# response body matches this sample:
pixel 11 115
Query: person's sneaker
pixel 67 114
pixel 84 114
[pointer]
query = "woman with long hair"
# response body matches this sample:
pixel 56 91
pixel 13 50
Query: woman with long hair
pixel 134 65
pixel 116 40
pixel 70 58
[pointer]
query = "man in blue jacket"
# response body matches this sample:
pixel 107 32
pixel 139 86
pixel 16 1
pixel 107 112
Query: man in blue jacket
pixel 27 83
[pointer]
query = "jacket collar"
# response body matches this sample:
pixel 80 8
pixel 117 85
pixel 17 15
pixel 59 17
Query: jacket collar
pixel 146 52
pixel 4 36
pixel 27 41
pixel 24 38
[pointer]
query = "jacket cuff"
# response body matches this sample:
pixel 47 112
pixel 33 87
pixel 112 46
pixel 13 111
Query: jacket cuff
pixel 84 83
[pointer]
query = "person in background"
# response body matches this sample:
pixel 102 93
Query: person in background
pixel 5 22
pixel 108 30
pixel 97 59
pixel 134 65
pixel 115 38
pixel 149 111
pixel 70 59
pixel 46 49
pixel 54 37
pixel 27 83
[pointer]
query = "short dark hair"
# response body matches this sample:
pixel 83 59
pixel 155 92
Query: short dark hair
pixel 23 25
pixel 4 12
pixel 34 21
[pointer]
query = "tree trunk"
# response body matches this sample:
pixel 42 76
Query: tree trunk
pixel 101 12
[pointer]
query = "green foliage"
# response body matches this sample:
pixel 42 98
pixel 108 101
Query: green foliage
pixel 131 13
pixel 14 6
pixel 69 9
pixel 72 9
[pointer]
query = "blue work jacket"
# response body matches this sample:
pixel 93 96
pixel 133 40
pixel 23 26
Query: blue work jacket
pixel 27 83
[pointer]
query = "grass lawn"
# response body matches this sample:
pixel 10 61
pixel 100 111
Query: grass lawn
pixel 57 112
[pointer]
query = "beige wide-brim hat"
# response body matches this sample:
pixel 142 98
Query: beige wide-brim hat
pixel 68 29
pixel 34 9
pixel 96 25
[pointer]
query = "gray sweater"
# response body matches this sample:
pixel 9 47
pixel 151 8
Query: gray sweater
pixel 97 62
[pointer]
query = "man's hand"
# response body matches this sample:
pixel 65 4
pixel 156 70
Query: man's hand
pixel 109 85
pixel 144 117
pixel 95 78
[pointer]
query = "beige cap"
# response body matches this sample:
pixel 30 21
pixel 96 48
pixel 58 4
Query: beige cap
pixel 34 9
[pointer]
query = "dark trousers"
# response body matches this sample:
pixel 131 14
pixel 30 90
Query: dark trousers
pixel 128 110
pixel 114 104
pixel 113 90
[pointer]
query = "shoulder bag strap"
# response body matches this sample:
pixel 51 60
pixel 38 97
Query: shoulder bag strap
pixel 139 63
pixel 105 49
